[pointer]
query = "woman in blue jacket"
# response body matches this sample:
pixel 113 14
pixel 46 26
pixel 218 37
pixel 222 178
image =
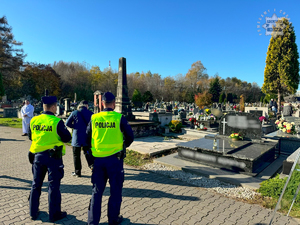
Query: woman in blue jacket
pixel 78 121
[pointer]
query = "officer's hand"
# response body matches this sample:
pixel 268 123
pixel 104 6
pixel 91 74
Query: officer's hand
pixel 123 154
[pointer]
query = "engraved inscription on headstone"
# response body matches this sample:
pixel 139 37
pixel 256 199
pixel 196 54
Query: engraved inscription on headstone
pixel 246 124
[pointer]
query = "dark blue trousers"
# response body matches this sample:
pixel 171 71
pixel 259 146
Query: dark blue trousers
pixel 106 168
pixel 42 164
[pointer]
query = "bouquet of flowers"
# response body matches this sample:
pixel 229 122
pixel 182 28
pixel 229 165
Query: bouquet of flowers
pixel 262 118
pixel 192 120
pixel 212 117
pixel 286 127
pixel 236 136
pixel 207 111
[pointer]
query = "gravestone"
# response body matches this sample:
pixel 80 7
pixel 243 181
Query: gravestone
pixel 250 155
pixel 123 104
pixel 4 98
pixel 259 111
pixel 9 112
pixel 248 125
pixel 67 106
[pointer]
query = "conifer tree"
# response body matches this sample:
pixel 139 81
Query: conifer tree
pixel 2 91
pixel 215 89
pixel 11 57
pixel 281 74
pixel 222 97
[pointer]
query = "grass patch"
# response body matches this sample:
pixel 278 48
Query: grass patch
pixel 136 159
pixel 272 188
pixel 11 122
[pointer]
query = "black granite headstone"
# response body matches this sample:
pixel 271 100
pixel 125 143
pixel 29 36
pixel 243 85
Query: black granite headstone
pixel 247 124
pixel 290 119
pixel 257 113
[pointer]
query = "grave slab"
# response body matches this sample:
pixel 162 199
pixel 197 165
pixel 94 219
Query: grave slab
pixel 239 156
pixel 154 145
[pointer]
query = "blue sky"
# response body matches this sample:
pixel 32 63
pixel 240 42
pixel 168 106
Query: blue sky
pixel 163 36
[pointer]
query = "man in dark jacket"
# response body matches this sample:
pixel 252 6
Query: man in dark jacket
pixel 78 120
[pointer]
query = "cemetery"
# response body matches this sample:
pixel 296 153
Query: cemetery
pixel 203 130
pixel 210 127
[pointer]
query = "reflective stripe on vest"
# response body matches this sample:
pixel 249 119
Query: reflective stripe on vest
pixel 107 138
pixel 44 133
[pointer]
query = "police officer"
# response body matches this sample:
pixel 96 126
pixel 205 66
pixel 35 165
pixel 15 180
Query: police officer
pixel 106 131
pixel 47 133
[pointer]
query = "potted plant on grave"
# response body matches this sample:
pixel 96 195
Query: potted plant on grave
pixel 193 121
pixel 175 126
pixel 236 136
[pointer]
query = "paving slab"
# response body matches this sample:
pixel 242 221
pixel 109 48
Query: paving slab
pixel 148 198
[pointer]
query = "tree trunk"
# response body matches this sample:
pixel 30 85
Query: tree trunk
pixel 279 102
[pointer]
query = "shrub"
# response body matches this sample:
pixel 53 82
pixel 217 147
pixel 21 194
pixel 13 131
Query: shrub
pixel 272 187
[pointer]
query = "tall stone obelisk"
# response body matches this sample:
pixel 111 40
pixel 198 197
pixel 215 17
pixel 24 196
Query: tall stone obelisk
pixel 122 100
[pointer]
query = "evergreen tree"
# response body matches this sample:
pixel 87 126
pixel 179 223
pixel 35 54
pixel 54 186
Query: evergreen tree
pixel 215 89
pixel 281 74
pixel 11 58
pixel 222 97
pixel 2 91
pixel 147 97
pixel 262 99
pixel 137 98
pixel 229 97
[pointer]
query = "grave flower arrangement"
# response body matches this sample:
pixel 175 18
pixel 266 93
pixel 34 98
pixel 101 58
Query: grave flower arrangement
pixel 201 115
pixel 192 120
pixel 236 136
pixel 286 127
pixel 212 117
pixel 175 126
pixel 207 111
pixel 262 118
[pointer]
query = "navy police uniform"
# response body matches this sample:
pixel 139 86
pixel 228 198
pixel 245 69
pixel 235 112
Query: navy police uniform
pixel 109 134
pixel 47 130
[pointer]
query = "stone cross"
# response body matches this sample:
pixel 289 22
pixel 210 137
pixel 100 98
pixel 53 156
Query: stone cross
pixel 224 122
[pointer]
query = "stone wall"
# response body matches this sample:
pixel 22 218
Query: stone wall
pixel 145 130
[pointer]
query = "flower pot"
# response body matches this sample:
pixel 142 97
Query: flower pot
pixel 235 139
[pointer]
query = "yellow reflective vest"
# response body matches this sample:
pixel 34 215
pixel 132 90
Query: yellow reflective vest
pixel 44 133
pixel 107 138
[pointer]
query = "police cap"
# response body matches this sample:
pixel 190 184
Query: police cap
pixel 48 100
pixel 108 97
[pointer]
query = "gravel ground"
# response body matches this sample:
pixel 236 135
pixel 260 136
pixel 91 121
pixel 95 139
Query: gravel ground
pixel 226 189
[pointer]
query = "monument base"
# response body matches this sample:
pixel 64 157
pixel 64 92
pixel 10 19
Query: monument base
pixel 241 156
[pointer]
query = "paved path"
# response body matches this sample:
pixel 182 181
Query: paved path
pixel 148 198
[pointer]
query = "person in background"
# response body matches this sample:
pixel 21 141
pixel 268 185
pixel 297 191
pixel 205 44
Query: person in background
pixel 271 103
pixel 78 121
pixel 48 134
pixel 27 113
pixel 274 107
pixel 109 134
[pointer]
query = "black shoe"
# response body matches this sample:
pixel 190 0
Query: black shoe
pixel 24 134
pixel 35 216
pixel 76 175
pixel 119 221
pixel 59 217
